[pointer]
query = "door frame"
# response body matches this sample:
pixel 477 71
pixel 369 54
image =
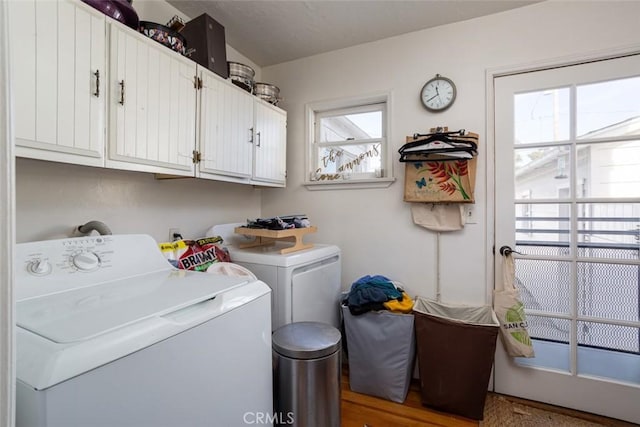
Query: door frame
pixel 7 233
pixel 490 75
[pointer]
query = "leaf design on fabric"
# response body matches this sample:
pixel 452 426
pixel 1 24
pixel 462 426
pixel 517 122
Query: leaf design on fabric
pixel 439 172
pixel 447 174
pixel 448 187
pixel 461 165
pixel 516 313
pixel 522 337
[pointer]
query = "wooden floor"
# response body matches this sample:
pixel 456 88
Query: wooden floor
pixel 360 410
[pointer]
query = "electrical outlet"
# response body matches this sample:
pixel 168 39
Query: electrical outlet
pixel 172 234
pixel 470 214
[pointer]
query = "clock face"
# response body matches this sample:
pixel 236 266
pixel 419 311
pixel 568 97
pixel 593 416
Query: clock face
pixel 438 94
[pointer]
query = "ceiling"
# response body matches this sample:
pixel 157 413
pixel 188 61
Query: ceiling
pixel 270 32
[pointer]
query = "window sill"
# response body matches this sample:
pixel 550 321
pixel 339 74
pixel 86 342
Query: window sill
pixel 349 184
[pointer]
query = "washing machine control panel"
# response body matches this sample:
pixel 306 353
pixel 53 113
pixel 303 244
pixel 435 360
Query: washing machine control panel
pixel 84 254
pixel 57 265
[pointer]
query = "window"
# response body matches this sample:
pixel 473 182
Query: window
pixel 347 143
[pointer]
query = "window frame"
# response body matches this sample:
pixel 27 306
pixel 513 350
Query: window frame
pixel 317 110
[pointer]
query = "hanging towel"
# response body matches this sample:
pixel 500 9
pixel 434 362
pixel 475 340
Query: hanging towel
pixel 438 217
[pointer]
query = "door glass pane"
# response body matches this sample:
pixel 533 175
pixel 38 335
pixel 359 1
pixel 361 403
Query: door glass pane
pixel 609 230
pixel 608 291
pixel 543 228
pixel 542 173
pixel 349 158
pixel 609 169
pixel 541 116
pixel 609 351
pixel 351 126
pixel 544 285
pixel 550 338
pixel 608 109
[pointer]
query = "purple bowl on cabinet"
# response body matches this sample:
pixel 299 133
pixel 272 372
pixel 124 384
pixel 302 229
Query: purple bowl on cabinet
pixel 120 10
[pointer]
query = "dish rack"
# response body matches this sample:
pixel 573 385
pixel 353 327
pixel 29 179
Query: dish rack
pixel 268 237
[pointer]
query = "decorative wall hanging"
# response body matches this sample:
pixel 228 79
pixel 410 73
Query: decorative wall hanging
pixel 441 166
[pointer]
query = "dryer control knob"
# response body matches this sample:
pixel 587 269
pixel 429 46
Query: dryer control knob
pixel 86 261
pixel 40 267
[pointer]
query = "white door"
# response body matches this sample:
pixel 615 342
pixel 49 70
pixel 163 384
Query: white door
pixel 152 100
pixel 567 166
pixel 58 71
pixel 226 129
pixel 270 144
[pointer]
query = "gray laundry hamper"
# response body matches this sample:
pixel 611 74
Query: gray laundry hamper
pixel 381 352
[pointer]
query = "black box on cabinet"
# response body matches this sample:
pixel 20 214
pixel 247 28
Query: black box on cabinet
pixel 206 36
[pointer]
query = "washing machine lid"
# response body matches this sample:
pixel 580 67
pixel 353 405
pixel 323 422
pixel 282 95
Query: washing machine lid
pixel 60 337
pixel 84 313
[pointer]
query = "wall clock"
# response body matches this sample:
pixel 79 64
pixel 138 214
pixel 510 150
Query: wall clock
pixel 438 93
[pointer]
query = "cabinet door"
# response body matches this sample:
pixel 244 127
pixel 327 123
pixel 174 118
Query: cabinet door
pixel 270 144
pixel 152 106
pixel 57 65
pixel 226 130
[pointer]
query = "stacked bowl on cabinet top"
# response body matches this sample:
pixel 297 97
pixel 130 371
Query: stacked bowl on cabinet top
pixel 243 75
pixel 202 39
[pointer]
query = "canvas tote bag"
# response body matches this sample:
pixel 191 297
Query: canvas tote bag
pixel 511 315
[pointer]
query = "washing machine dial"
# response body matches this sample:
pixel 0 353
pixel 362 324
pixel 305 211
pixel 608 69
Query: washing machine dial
pixel 39 267
pixel 86 261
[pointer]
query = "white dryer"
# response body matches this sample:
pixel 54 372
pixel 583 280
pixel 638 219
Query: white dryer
pixel 109 334
pixel 305 285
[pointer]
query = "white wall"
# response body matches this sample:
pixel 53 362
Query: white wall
pixel 53 198
pixel 374 227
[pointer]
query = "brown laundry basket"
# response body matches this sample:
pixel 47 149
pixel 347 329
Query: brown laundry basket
pixel 456 346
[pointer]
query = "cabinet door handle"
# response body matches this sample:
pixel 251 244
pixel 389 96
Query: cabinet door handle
pixel 121 102
pixel 258 138
pixel 97 92
pixel 251 135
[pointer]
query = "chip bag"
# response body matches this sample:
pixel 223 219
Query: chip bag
pixel 197 255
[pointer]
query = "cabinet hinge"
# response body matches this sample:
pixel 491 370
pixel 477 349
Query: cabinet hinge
pixel 197 82
pixel 197 157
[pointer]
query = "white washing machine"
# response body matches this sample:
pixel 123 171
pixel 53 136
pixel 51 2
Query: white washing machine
pixel 305 285
pixel 109 334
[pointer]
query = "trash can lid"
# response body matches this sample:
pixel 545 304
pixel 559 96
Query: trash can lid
pixel 306 340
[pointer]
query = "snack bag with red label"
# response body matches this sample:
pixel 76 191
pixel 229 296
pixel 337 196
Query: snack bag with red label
pixel 199 254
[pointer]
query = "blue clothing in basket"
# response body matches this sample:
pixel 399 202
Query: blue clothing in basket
pixel 370 292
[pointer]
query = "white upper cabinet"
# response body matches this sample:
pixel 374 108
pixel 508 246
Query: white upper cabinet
pixel 152 105
pixel 58 55
pixel 242 138
pixel 91 91
pixel 226 130
pixel 269 166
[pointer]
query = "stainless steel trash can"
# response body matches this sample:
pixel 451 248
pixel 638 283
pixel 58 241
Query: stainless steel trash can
pixel 306 375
